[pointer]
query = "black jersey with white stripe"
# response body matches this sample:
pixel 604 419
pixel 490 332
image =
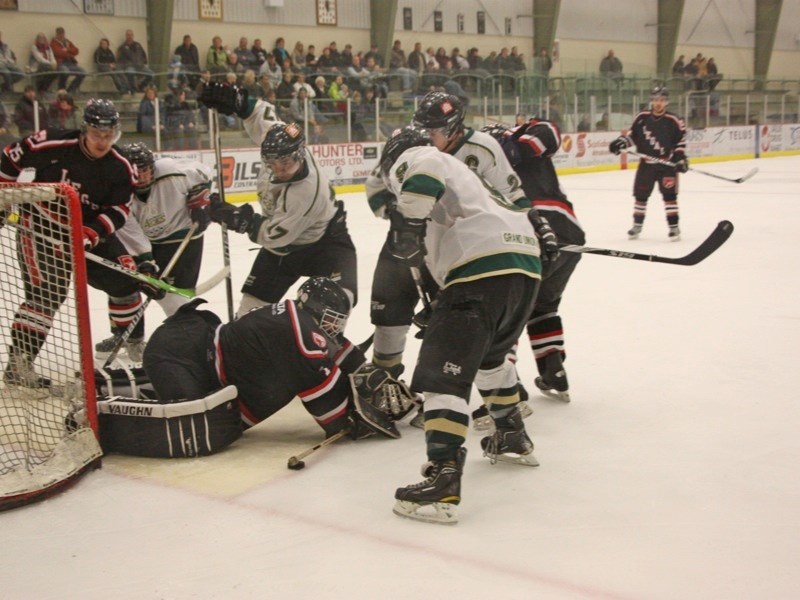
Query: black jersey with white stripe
pixel 661 136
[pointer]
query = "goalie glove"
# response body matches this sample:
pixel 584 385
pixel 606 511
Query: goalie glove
pixel 547 237
pixel 406 239
pixel 379 399
pixel 227 99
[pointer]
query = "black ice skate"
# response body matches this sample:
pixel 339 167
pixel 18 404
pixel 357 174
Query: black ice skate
pixel 553 380
pixel 433 500
pixel 510 444
pixel 633 232
pixel 482 421
pixel 674 233
pixel 20 372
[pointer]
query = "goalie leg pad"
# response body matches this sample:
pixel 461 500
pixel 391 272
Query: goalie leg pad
pixel 190 428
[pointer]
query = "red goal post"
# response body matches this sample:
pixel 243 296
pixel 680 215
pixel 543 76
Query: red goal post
pixel 48 418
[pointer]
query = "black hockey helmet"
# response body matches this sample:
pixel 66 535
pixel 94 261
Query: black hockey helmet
pixel 659 91
pixel 402 140
pixel 101 114
pixel 284 140
pixel 439 110
pixel 141 156
pixel 326 302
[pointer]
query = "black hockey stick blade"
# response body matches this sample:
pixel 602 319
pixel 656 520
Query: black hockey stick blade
pixel 718 237
pixel 741 179
pixel 365 345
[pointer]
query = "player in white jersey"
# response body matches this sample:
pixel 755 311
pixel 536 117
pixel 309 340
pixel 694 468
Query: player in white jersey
pixel 169 195
pixel 483 252
pixel 302 228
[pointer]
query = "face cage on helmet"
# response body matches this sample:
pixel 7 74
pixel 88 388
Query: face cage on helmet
pixel 332 322
pixel 298 156
pixel 116 129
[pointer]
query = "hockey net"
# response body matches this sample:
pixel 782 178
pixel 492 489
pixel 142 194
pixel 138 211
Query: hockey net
pixel 47 407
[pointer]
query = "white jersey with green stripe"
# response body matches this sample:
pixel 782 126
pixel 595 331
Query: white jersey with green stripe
pixel 483 154
pixel 473 231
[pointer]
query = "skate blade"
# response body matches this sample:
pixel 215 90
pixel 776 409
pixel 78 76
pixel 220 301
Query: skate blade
pixel 486 423
pixel 440 513
pixel 525 460
pixel 556 395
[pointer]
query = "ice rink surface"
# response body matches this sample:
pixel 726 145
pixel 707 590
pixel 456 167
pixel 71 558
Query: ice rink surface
pixel 672 474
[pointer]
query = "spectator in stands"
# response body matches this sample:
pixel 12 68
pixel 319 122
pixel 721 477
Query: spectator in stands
pixel 458 61
pixel 146 119
pixel 287 67
pixel 375 55
pixel 611 66
pixel 312 61
pixel 280 51
pixel 490 62
pixel 285 90
pixel 542 63
pixel 299 57
pixel 10 73
pixel 398 65
pixel 441 57
pixel 603 124
pixel 250 84
pixel 181 126
pixel 26 111
pixel 326 62
pixel 357 76
pixel 320 87
pixel 176 76
pixel 65 52
pixel 42 63
pixel 346 57
pixel 334 53
pixel 6 136
pixel 63 114
pixel 301 82
pixel 377 78
pixel 474 59
pixel 416 60
pixel 106 62
pixel 217 59
pixel 691 72
pixel 245 59
pixel 584 124
pixel 713 76
pixel 338 92
pixel 272 69
pixel 367 113
pixel 264 85
pixel 516 61
pixel 678 66
pixel 259 54
pixel 300 106
pixel 190 60
pixel 132 59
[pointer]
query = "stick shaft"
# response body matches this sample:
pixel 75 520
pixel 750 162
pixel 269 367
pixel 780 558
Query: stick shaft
pixel 216 144
pixel 666 163
pixel 328 441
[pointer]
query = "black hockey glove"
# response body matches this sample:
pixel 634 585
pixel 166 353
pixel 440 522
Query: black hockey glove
pixel 407 239
pixel 227 99
pixel 202 217
pixel 548 242
pixel 682 165
pixel 619 144
pixel 237 218
pixel 150 268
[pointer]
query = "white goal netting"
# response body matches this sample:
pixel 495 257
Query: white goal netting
pixel 47 421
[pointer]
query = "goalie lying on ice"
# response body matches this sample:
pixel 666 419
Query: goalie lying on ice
pixel 273 354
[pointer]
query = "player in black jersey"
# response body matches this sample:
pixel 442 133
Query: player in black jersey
pixel 273 354
pixel 659 134
pixel 529 148
pixel 88 160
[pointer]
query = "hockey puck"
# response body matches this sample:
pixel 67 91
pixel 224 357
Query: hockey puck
pixel 295 465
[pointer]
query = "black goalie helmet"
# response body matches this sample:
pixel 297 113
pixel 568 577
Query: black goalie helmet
pixel 402 140
pixel 659 91
pixel 284 141
pixel 101 114
pixel 141 156
pixel 326 302
pixel 439 110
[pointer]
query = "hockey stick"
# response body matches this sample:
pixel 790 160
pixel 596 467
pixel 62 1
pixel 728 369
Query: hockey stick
pixel 666 163
pixel 140 313
pixel 216 143
pixel 366 344
pixel 295 463
pixel 718 237
pixel 153 281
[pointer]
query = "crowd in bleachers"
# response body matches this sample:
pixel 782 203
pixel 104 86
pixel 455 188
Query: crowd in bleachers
pixel 700 73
